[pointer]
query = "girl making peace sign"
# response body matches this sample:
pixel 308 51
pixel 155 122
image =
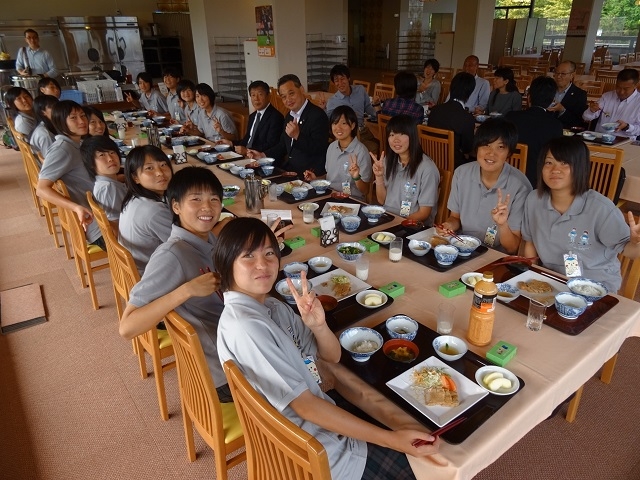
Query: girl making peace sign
pixel 487 196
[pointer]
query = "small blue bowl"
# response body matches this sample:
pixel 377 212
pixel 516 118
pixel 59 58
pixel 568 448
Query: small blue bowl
pixel 236 169
pixel 570 305
pixel 147 123
pixel 355 338
pixel 119 142
pixel 591 290
pixel 294 269
pixel 267 169
pixel 507 293
pixel 279 189
pixel 445 254
pixel 350 257
pixel 245 172
pixel 350 223
pixel 467 247
pixel 222 147
pixel 282 287
pixel 608 138
pixel 300 193
pixel 266 161
pixel 230 191
pixel 320 186
pixel 373 213
pixel 178 141
pixel 401 326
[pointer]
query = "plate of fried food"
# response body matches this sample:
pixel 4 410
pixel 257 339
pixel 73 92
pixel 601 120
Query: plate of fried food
pixel 538 287
pixel 342 209
pixel 289 186
pixel 339 284
pixel 437 391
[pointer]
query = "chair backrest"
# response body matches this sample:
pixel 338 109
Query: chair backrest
pixel 438 144
pixel 606 163
pixel 607 76
pixel 276 448
pixel 277 102
pixel 592 87
pixel 124 273
pixel 519 158
pixel 71 223
pixel 366 85
pixel 197 391
pixel 384 91
pixel 240 120
pixel 444 90
pixel 630 272
pixel 444 189
pixel 382 126
pixel 580 66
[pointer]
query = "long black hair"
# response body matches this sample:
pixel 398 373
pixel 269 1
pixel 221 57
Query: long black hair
pixel 406 125
pixel 61 112
pixel 135 161
pixel 40 104
pixel 572 151
pixel 10 99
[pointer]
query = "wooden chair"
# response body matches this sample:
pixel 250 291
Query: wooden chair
pixel 580 67
pixel 604 175
pixel 88 258
pixel 124 275
pixel 25 148
pixel 240 120
pixel 608 79
pixel 444 189
pixel 519 158
pixel 444 90
pixel 276 448
pixel 622 59
pixel 438 144
pixel 382 126
pixel 446 73
pixel 277 102
pixel 592 87
pixel 366 85
pixel 384 91
pixel 630 272
pixel 217 423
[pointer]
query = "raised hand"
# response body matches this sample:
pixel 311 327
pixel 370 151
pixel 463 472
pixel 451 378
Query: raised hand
pixel 500 214
pixel 310 308
pixel 354 169
pixel 378 164
pixel 277 230
pixel 216 125
pixel 309 175
pixel 204 285
pixel 254 154
pixel 292 129
pixel 634 229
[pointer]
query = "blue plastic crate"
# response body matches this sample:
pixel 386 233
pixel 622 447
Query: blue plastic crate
pixel 72 94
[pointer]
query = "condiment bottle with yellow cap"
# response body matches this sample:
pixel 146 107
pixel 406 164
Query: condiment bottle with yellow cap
pixel 482 314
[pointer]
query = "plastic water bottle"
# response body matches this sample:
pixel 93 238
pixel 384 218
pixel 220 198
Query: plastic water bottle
pixel 122 131
pixel 118 90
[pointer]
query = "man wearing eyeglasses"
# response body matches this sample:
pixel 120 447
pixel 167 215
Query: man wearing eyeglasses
pixel 570 101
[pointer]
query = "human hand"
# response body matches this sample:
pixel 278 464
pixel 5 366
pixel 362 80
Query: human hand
pixel 556 107
pixel 255 154
pixel 634 229
pixel 292 129
pixel 84 216
pixel 594 106
pixel 354 169
pixel 279 231
pixel 378 164
pixel 500 213
pixel 203 285
pixel 129 97
pixel 309 175
pixel 152 113
pixel 241 150
pixel 310 308
pixel 478 110
pixel 444 229
pixel 621 126
pixel 224 141
pixel 217 126
pixel 402 441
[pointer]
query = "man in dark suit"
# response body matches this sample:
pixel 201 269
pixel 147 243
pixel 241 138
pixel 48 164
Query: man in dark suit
pixel 265 123
pixel 536 126
pixel 569 102
pixel 304 141
pixel 453 116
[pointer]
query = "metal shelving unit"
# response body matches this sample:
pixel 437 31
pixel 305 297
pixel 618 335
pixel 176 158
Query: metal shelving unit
pixel 160 53
pixel 414 47
pixel 231 73
pixel 323 52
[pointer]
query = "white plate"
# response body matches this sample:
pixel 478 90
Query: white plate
pixel 375 234
pixel 360 298
pixel 223 156
pixel 546 298
pixel 424 235
pixel 486 370
pixel 466 276
pixel 227 166
pixel 357 285
pixel 354 208
pixel 468 393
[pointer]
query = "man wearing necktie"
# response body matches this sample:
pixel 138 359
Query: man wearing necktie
pixel 265 123
pixel 303 144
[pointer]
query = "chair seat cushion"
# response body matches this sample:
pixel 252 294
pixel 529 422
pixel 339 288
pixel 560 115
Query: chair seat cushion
pixel 231 422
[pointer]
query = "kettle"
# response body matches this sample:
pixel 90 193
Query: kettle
pixel 254 193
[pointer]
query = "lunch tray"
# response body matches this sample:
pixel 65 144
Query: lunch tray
pixel 288 198
pixel 428 260
pixel 364 223
pixel 599 140
pixel 256 171
pixel 348 311
pixel 379 369
pixel 502 273
pixel 167 144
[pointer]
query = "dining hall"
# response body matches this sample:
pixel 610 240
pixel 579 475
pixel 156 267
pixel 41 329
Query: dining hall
pixel 407 190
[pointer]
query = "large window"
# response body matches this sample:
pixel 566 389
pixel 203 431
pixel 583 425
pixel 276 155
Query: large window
pixel 513 8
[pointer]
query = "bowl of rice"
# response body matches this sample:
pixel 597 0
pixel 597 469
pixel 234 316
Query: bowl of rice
pixel 361 342
pixel 591 290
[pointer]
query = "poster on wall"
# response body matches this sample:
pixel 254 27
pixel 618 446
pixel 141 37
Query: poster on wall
pixel 578 22
pixel 264 28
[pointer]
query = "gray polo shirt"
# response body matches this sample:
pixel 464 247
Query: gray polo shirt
pixel 41 139
pixel 269 342
pixel 205 123
pixel 109 193
pixel 174 263
pixel 174 107
pixel 426 179
pixel 144 225
pixel 470 199
pixel 336 159
pixel 64 162
pixel 155 101
pixel 24 124
pixel 358 101
pixel 552 233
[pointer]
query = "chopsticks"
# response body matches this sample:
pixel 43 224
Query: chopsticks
pixel 515 259
pixel 438 432
pixel 451 233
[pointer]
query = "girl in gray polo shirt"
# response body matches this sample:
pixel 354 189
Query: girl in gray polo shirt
pixel 565 221
pixel 276 350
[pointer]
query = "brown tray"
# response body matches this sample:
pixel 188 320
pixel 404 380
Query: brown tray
pixel 288 198
pixel 379 369
pixel 364 223
pixel 502 273
pixel 428 260
pixel 348 311
pixel 599 141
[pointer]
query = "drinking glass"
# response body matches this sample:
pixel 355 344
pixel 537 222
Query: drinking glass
pixel 362 268
pixel 395 250
pixel 271 218
pixel 536 315
pixel 445 318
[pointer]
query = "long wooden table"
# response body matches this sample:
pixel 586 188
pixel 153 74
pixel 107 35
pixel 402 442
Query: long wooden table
pixel 553 365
